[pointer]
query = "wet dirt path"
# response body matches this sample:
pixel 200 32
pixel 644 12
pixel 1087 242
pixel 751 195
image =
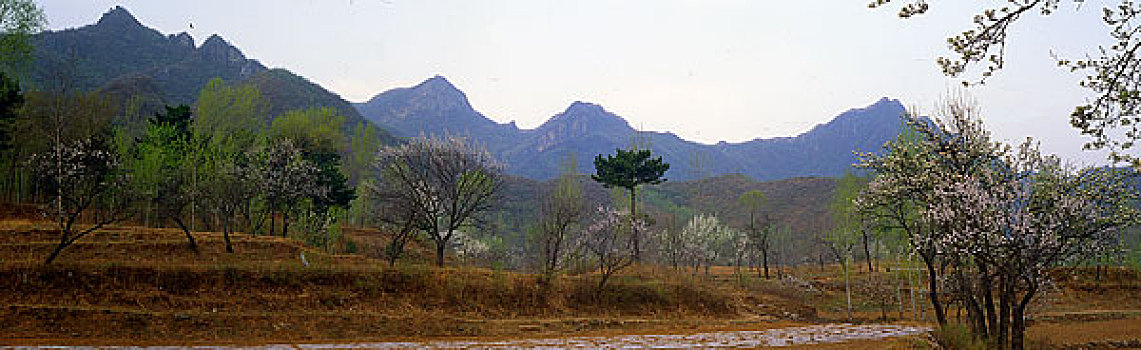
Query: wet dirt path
pixel 778 337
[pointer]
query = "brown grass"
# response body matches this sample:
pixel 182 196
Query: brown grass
pixel 1088 331
pixel 133 285
pixel 144 285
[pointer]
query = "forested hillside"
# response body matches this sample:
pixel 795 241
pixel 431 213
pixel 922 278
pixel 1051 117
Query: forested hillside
pixel 141 70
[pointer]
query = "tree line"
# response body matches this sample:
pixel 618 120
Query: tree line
pixel 219 166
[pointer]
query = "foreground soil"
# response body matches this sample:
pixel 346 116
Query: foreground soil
pixel 144 286
pixel 799 336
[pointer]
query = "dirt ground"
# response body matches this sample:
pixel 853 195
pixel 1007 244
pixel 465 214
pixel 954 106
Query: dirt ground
pixel 143 286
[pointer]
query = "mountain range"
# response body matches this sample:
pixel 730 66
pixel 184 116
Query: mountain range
pixel 131 62
pixel 121 57
pixel 435 107
pixel 140 67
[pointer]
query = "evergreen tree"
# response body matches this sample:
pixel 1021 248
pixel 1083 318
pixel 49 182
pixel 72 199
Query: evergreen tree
pixel 629 169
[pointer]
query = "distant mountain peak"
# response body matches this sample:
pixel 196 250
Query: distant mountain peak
pixel 889 105
pixel 582 118
pixel 216 49
pixel 580 107
pixel 588 111
pixel 119 16
pixel 886 101
pixel 215 40
pixel 440 90
pixel 183 39
pixel 439 84
pixel 437 79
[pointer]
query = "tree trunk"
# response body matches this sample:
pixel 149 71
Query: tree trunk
pixel 848 287
pixel 226 236
pixel 765 261
pixel 634 228
pixel 1018 320
pixel 989 312
pixel 13 185
pixel 780 267
pixel 867 252
pixel 601 281
pixel 821 256
pixel 1017 330
pixel 284 223
pixel 986 287
pixel 55 252
pixel 440 245
pixel 933 290
pixel 1004 301
pixel 899 295
pixel 975 314
pixel 186 230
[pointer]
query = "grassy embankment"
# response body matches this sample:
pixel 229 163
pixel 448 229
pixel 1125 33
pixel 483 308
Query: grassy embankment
pixel 133 285
pixel 144 285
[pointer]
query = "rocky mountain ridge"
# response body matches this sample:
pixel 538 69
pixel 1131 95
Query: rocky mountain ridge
pixel 435 107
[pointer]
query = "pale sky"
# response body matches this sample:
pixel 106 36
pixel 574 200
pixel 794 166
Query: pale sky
pixel 706 70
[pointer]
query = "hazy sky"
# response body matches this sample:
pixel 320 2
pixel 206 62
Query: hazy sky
pixel 705 70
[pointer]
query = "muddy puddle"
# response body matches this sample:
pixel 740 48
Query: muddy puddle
pixel 792 336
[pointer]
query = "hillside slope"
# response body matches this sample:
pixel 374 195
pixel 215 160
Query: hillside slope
pixel 141 69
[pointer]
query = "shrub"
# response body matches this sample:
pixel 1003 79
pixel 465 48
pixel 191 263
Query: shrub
pixel 957 337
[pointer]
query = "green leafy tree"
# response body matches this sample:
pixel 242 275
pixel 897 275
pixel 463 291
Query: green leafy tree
pixel 846 226
pixel 19 19
pixel 365 142
pixel 629 169
pixel 317 132
pixel 11 100
pixel 223 110
pixel 166 167
pixel 227 189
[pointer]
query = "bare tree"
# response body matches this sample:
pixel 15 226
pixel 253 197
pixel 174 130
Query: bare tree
pixel 228 190
pixel 608 238
pixel 446 182
pixel 1111 74
pixel 395 212
pixel 561 211
pixel 756 228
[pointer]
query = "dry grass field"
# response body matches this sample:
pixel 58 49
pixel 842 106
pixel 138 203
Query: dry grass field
pixel 129 285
